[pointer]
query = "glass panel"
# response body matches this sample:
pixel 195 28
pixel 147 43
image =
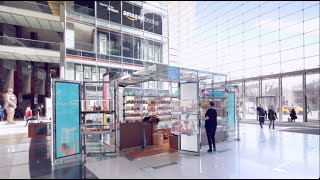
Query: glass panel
pixel 115 44
pixel 102 43
pixel 137 48
pixel 128 16
pixel 313 96
pixel 251 92
pixel 157 52
pixel 127 46
pixel 270 87
pixel 87 73
pixel 292 97
pixel 102 72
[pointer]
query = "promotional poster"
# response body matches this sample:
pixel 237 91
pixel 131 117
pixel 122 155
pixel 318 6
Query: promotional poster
pixel 67 119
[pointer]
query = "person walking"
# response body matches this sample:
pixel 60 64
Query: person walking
pixel 293 115
pixel 211 126
pixel 1 113
pixel 261 114
pixel 272 116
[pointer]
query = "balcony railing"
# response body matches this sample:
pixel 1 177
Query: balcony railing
pixel 29 43
pixel 33 6
pixel 80 9
pixel 79 45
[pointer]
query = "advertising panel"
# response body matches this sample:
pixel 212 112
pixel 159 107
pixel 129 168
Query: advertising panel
pixel 66 119
pixel 130 15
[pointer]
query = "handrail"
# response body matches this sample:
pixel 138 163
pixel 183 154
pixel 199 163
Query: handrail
pixel 30 43
pixel 81 9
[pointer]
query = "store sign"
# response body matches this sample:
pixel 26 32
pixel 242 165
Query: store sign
pixel 135 17
pixel 129 15
pixel 110 8
pixel 66 120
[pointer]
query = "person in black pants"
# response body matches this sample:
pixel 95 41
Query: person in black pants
pixel 211 126
pixel 272 116
pixel 261 114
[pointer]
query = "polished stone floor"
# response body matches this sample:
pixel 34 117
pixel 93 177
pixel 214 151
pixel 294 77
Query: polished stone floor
pixel 259 154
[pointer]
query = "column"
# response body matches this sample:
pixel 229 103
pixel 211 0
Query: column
pixel 34 86
pixel 18 84
pixel 304 96
pixel 280 99
pixel 48 81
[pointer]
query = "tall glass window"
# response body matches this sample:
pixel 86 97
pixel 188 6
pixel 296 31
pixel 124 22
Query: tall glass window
pixel 87 73
pixel 103 43
pixel 157 52
pixel 292 97
pixel 313 96
pixel 79 73
pixel 115 43
pixel 251 93
pixel 137 48
pixel 127 46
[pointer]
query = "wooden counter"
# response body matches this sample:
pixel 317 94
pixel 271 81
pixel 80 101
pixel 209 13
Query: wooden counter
pixel 131 134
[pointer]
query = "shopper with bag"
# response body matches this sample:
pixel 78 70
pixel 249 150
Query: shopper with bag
pixel 272 116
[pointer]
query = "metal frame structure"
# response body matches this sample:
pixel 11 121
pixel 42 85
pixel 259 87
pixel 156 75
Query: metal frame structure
pixel 159 73
pixel 107 112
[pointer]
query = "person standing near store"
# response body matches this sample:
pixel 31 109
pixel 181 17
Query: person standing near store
pixel 261 114
pixel 272 116
pixel 211 126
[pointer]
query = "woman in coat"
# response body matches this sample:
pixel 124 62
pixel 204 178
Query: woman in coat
pixel 293 115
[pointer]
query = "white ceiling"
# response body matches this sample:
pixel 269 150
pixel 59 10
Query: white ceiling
pixel 26 21
pixel 23 57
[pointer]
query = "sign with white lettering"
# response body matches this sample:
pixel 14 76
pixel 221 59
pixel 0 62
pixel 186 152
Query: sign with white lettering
pixel 130 15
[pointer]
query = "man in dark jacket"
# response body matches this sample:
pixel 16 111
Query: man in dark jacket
pixel 272 116
pixel 261 115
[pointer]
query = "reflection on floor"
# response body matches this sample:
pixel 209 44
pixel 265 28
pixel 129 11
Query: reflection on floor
pixel 138 153
pixel 260 154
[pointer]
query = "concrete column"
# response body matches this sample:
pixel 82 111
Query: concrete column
pixel 48 81
pixel 304 96
pixel 34 86
pixel 18 84
pixel 280 99
pixel 244 104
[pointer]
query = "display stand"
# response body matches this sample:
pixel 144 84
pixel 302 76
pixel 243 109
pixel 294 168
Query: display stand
pixel 98 130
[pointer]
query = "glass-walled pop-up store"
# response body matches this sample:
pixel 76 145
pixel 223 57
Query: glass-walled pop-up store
pixel 179 106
